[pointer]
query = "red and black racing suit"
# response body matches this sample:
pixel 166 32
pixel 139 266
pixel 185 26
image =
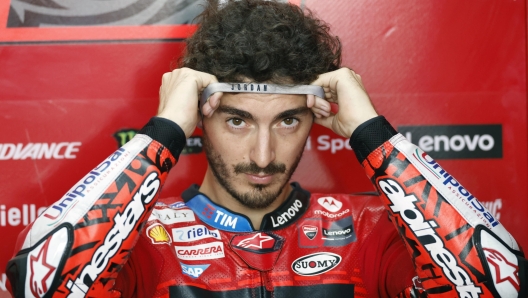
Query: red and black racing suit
pixel 110 236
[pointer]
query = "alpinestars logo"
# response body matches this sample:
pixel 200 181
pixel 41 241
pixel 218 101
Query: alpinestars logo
pixel 404 205
pixel 505 271
pixel 330 204
pixel 41 271
pixel 124 224
pixel 257 241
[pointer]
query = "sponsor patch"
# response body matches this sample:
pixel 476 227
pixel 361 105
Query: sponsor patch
pixel 502 263
pixel 57 212
pixel 456 141
pixel 404 205
pixel 170 216
pixel 452 186
pixel 177 205
pixel 330 204
pixel 332 233
pixel 20 151
pixel 310 231
pixel 158 234
pixel 124 223
pixel 193 271
pixel 331 214
pixel 192 233
pixel 207 251
pixel 315 264
pixel 42 263
pixel 260 250
pixel 218 217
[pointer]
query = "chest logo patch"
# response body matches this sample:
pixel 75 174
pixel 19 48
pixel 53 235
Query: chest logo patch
pixel 259 250
pixel 330 204
pixel 315 264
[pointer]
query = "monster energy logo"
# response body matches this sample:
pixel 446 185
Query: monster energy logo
pixel 193 146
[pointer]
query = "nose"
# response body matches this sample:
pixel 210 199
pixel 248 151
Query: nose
pixel 262 152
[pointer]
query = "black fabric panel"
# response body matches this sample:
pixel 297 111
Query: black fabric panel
pixel 166 132
pixel 319 291
pixel 370 135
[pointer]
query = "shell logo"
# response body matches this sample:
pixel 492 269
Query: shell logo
pixel 158 234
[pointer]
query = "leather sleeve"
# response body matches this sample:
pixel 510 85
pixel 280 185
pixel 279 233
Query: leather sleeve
pixel 458 248
pixel 78 246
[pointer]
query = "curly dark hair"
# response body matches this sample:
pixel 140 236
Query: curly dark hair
pixel 263 41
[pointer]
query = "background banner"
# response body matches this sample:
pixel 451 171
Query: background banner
pixel 79 78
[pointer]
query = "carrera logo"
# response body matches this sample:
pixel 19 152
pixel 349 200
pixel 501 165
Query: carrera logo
pixel 310 231
pixel 405 205
pixel 208 251
pixel 315 264
pixel 193 233
pixel 330 204
pixel 457 141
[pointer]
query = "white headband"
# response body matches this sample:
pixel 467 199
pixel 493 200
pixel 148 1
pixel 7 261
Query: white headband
pixel 260 88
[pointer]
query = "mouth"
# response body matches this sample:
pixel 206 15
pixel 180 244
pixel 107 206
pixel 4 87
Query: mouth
pixel 259 178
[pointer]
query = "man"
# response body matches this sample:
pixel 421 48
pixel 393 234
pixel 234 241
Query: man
pixel 246 232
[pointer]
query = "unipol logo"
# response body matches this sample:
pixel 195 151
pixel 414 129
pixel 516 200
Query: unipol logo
pixel 315 264
pixel 330 204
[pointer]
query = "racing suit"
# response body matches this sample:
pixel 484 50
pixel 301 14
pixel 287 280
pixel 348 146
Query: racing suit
pixel 110 236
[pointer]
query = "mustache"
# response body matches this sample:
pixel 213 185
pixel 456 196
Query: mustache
pixel 254 169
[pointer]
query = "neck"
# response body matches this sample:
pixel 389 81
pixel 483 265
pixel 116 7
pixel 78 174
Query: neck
pixel 212 188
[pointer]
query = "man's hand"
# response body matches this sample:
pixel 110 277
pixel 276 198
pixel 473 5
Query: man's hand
pixel 179 94
pixel 343 87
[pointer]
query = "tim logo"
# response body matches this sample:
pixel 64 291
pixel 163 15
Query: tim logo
pixel 456 141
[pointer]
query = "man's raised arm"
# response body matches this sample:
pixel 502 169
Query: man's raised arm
pixel 77 247
pixel 458 247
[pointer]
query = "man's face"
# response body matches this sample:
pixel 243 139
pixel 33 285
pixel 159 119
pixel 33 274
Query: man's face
pixel 253 143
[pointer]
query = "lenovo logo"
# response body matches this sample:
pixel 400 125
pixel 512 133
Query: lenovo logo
pixel 456 141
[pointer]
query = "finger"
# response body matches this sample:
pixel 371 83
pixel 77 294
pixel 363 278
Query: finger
pixel 321 104
pixel 325 121
pixel 310 100
pixel 320 112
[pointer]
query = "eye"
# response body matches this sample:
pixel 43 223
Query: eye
pixel 235 122
pixel 290 122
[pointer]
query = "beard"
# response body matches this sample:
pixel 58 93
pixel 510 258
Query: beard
pixel 261 195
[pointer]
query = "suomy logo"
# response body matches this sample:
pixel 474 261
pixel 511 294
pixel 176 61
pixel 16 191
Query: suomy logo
pixel 457 141
pixel 424 230
pixel 315 264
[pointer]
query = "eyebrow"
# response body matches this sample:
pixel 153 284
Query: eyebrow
pixel 246 115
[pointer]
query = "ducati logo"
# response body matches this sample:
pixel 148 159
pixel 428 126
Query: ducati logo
pixel 310 231
pixel 330 204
